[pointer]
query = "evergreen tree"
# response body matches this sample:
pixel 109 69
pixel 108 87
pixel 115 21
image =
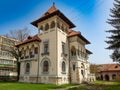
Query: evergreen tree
pixel 114 39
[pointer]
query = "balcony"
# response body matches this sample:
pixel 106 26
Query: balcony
pixel 78 58
pixel 45 53
pixel 26 57
pixel 31 57
pixel 22 57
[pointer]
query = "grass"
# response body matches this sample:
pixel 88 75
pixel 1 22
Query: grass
pixel 97 85
pixel 28 86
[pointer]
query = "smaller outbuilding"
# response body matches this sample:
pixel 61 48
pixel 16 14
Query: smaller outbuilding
pixel 109 72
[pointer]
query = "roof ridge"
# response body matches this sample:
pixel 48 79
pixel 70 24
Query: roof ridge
pixel 50 10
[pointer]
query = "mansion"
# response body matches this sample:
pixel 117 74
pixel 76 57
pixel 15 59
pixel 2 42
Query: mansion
pixel 56 54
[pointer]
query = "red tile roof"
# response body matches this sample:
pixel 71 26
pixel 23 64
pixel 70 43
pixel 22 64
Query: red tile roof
pixel 72 33
pixel 51 12
pixel 110 67
pixel 29 39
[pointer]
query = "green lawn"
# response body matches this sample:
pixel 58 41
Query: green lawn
pixel 28 86
pixel 97 85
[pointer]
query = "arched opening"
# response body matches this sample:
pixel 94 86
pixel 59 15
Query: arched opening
pixel 22 53
pixel 66 30
pixel 45 66
pixel 63 67
pixel 74 67
pixel 41 28
pixel 27 52
pixel 62 27
pixel 82 69
pixel 101 77
pixel 113 76
pixel 27 68
pixel 73 51
pixel 46 27
pixel 52 24
pixel 107 77
pixel 58 25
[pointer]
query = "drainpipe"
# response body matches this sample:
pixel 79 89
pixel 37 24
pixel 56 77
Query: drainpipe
pixel 69 60
pixel 38 63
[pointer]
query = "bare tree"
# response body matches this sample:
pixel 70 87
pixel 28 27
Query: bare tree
pixel 20 34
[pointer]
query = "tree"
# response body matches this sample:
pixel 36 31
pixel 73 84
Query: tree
pixel 93 69
pixel 19 35
pixel 114 39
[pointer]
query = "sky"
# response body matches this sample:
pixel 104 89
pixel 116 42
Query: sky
pixel 89 16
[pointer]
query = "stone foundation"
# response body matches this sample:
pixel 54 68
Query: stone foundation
pixel 44 79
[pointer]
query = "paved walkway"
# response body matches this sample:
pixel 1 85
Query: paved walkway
pixel 67 87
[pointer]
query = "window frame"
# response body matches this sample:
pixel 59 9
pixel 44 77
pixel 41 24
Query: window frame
pixel 45 68
pixel 27 69
pixel 63 68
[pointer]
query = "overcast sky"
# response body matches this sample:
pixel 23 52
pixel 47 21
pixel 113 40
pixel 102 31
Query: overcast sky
pixel 89 16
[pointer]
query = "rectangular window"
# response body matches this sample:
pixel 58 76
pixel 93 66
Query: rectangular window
pixel 46 47
pixel 36 50
pixel 63 48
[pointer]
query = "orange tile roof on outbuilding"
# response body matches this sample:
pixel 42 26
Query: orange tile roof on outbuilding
pixel 29 39
pixel 110 67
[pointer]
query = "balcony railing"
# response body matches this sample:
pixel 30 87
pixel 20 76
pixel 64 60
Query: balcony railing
pixel 45 53
pixel 32 56
pixel 22 57
pixel 26 57
pixel 78 58
pixel 35 56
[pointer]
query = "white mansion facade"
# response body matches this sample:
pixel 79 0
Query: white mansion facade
pixel 57 54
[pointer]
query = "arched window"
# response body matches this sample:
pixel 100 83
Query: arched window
pixel 58 24
pixel 63 67
pixel 73 51
pixel 46 27
pixel 22 52
pixel 45 66
pixel 27 68
pixel 74 67
pixel 66 30
pixel 52 24
pixel 82 69
pixel 41 28
pixel 62 27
